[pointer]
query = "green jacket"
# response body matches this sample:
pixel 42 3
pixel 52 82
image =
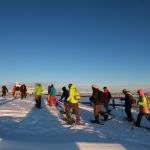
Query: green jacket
pixel 38 90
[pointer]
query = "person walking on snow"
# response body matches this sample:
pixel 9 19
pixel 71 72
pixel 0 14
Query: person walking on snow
pixel 52 95
pixel 17 90
pixel 23 91
pixel 64 97
pixel 129 100
pixel 73 100
pixel 4 91
pixel 144 108
pixel 38 90
pixel 97 99
pixel 107 96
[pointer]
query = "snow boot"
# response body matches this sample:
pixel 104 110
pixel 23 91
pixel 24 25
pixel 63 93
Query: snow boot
pixel 96 120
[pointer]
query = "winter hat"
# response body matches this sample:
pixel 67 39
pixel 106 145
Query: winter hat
pixel 141 92
pixel 124 91
pixel 64 88
pixel 73 86
pixel 106 90
pixel 69 85
pixel 94 86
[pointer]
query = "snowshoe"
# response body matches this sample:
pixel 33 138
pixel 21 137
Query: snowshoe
pixel 107 118
pixel 70 121
pixel 96 122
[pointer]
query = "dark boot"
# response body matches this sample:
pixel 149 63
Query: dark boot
pixel 105 117
pixel 96 120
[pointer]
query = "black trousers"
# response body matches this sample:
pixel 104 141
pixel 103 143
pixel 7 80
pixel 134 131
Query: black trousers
pixel 38 101
pixel 3 94
pixel 139 118
pixel 128 113
pixel 23 95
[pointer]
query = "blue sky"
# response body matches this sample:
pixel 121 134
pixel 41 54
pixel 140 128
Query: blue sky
pixel 82 41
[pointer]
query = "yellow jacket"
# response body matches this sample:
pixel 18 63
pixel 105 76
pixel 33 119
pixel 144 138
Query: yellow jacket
pixel 72 95
pixel 143 104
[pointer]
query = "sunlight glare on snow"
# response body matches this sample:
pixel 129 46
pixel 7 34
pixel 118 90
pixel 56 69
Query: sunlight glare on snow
pixel 97 146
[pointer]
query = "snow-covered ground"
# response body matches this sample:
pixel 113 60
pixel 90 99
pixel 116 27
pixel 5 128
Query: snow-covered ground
pixel 24 127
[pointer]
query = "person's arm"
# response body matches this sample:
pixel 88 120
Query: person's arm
pixel 63 95
pixel 109 95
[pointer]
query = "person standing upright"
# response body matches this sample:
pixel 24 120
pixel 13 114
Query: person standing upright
pixel 52 95
pixel 4 91
pixel 73 100
pixel 23 91
pixel 144 108
pixel 97 99
pixel 107 96
pixel 64 97
pixel 128 104
pixel 38 90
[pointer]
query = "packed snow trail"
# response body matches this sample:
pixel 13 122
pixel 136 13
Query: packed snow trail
pixel 22 126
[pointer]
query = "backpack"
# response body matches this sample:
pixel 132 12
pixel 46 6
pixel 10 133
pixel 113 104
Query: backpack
pixel 132 99
pixel 77 95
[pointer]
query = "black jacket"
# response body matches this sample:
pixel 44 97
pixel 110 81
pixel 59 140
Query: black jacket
pixel 65 94
pixel 4 89
pixel 107 97
pixel 128 99
pixel 23 88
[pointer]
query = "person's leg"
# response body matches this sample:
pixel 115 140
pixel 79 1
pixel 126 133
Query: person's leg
pixel 138 121
pixel 50 101
pixel 2 94
pixel 39 104
pixel 68 108
pixel 36 101
pixel 147 117
pixel 104 114
pixel 76 112
pixel 39 101
pixel 24 94
pixel 129 114
pixel 96 113
pixel 21 95
pixel 54 100
pixel 15 94
pixel 65 107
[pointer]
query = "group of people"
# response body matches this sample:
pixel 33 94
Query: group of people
pixel 70 98
pixel 19 91
pixel 144 107
pixel 99 100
